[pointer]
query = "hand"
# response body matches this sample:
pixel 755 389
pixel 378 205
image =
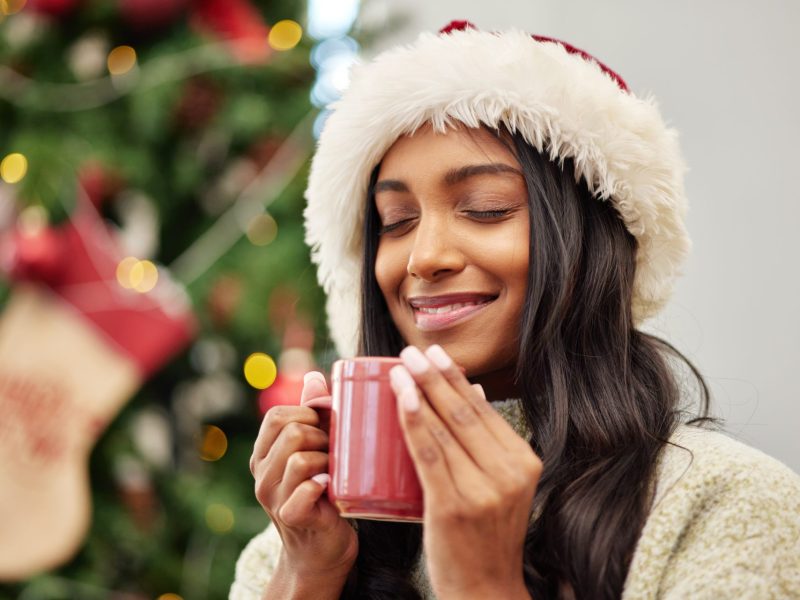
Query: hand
pixel 290 463
pixel 478 478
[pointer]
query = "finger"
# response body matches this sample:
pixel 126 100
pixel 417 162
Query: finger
pixel 442 464
pixel 455 410
pixel 474 393
pixel 307 506
pixel 314 386
pixel 301 466
pixel 295 437
pixel 274 421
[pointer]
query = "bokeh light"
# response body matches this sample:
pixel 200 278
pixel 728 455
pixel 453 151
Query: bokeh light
pixel 262 230
pixel 124 269
pixel 135 274
pixel 214 443
pixel 319 122
pixel 32 220
pixel 327 49
pixel 331 18
pixel 285 35
pixel 144 276
pixel 9 7
pixel 121 60
pixel 169 596
pixel 13 167
pixel 333 78
pixel 260 370
pixel 219 518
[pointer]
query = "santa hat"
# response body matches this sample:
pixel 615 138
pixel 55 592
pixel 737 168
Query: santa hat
pixel 564 102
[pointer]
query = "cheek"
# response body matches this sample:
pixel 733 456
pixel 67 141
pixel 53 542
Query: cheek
pixel 506 254
pixel 509 258
pixel 389 270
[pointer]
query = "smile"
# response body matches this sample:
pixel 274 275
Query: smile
pixel 440 312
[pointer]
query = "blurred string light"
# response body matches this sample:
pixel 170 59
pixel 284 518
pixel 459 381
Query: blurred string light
pixel 213 444
pixel 121 60
pixel 219 518
pixel 285 35
pixel 13 167
pixel 9 7
pixel 26 92
pixel 260 370
pixel 138 275
pixel 329 21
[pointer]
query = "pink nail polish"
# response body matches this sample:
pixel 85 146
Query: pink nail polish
pixel 322 479
pixel 414 360
pixel 401 378
pixel 314 375
pixel 439 357
pixel 409 400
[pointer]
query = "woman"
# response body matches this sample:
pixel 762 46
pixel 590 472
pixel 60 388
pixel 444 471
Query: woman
pixel 503 203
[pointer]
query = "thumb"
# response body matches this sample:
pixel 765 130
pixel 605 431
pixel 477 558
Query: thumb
pixel 314 386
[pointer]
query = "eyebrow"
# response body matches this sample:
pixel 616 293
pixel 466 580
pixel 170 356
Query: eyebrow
pixel 453 176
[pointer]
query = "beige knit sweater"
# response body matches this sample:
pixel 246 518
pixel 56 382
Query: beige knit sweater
pixel 725 523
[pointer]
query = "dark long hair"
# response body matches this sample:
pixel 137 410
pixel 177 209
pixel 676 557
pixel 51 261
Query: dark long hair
pixel 599 396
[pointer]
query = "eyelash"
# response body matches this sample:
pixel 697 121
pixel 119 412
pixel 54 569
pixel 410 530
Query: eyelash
pixel 479 214
pixel 392 226
pixel 488 214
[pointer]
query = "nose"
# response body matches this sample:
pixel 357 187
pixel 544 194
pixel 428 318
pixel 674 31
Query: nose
pixel 435 253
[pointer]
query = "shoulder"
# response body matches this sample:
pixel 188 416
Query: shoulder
pixel 725 521
pixel 704 459
pixel 703 468
pixel 256 564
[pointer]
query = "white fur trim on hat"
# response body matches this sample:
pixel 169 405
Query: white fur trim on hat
pixel 561 103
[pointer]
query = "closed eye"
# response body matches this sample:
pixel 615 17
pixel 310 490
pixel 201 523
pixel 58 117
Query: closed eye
pixel 392 226
pixel 487 214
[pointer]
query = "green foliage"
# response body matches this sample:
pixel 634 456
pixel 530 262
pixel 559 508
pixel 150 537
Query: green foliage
pixel 174 146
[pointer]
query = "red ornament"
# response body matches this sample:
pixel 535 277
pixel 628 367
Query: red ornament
pixel 99 182
pixel 198 104
pixel 52 8
pixel 151 14
pixel 224 299
pixel 35 256
pixel 238 22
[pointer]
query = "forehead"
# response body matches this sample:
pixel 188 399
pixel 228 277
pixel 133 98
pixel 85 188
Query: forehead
pixel 429 151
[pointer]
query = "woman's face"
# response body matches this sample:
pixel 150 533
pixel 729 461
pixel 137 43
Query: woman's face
pixel 452 257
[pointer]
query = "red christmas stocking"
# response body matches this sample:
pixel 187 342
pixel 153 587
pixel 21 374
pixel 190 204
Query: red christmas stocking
pixel 74 346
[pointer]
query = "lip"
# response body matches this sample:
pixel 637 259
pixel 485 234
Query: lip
pixel 435 322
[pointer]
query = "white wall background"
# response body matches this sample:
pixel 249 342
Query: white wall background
pixel 727 76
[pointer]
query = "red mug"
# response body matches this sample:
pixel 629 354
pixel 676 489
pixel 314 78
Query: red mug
pixel 372 475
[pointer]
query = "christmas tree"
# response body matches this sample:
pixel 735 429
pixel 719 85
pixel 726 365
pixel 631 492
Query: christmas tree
pixel 185 127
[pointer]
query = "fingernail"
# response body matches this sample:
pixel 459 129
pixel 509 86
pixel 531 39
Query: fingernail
pixel 414 360
pixel 409 400
pixel 439 357
pixel 314 375
pixel 322 479
pixel 401 378
pixel 479 388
